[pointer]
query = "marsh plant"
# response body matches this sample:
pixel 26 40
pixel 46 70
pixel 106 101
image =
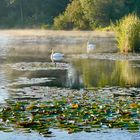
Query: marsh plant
pixel 128 33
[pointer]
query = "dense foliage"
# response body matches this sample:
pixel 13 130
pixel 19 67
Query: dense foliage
pixel 29 13
pixel 90 14
pixel 127 33
pixel 66 14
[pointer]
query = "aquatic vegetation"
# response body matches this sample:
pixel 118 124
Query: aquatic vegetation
pixel 85 111
pixel 34 66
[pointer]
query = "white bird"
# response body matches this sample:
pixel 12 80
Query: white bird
pixel 90 47
pixel 56 56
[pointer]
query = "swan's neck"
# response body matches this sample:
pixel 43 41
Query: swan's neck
pixel 52 56
pixel 52 52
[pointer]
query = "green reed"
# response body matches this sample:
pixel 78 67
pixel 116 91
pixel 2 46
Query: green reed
pixel 127 33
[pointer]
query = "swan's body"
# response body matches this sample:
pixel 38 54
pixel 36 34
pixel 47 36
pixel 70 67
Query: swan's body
pixel 56 56
pixel 90 47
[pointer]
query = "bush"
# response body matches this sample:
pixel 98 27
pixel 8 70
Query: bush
pixel 128 33
pixel 62 22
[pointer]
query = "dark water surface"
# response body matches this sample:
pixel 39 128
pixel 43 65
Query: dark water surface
pixel 26 66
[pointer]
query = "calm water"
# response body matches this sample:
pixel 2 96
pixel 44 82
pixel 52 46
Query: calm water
pixel 101 73
pixel 80 73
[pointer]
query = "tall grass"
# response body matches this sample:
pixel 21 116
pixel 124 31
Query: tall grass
pixel 128 33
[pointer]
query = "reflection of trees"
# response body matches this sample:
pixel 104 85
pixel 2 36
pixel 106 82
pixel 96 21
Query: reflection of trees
pixel 128 73
pixel 94 72
pixel 73 79
pixel 105 72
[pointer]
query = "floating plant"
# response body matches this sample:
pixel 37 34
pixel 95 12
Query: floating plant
pixel 74 113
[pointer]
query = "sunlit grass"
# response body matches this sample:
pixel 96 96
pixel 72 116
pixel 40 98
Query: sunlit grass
pixel 127 33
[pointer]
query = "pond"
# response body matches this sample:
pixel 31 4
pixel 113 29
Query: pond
pixel 84 96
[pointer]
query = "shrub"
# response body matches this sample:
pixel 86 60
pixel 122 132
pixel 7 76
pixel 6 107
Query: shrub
pixel 128 33
pixel 62 22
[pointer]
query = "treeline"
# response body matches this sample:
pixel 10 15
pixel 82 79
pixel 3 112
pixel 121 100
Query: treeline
pixel 65 14
pixel 30 13
pixel 91 14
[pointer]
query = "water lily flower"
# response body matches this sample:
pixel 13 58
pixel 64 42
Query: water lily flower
pixel 75 106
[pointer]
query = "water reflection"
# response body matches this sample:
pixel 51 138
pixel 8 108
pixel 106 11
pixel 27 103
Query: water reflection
pixel 55 77
pixel 3 91
pixel 81 73
pixel 101 73
pixel 3 95
pixel 74 79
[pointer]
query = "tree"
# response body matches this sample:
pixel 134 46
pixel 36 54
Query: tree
pixel 30 12
pixel 3 11
pixel 73 17
pixel 79 14
pixel 101 12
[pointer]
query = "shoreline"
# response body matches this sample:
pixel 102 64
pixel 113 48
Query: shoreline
pixel 54 33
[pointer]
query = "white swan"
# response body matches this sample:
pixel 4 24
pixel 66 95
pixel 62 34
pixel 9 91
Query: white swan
pixel 90 47
pixel 56 56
